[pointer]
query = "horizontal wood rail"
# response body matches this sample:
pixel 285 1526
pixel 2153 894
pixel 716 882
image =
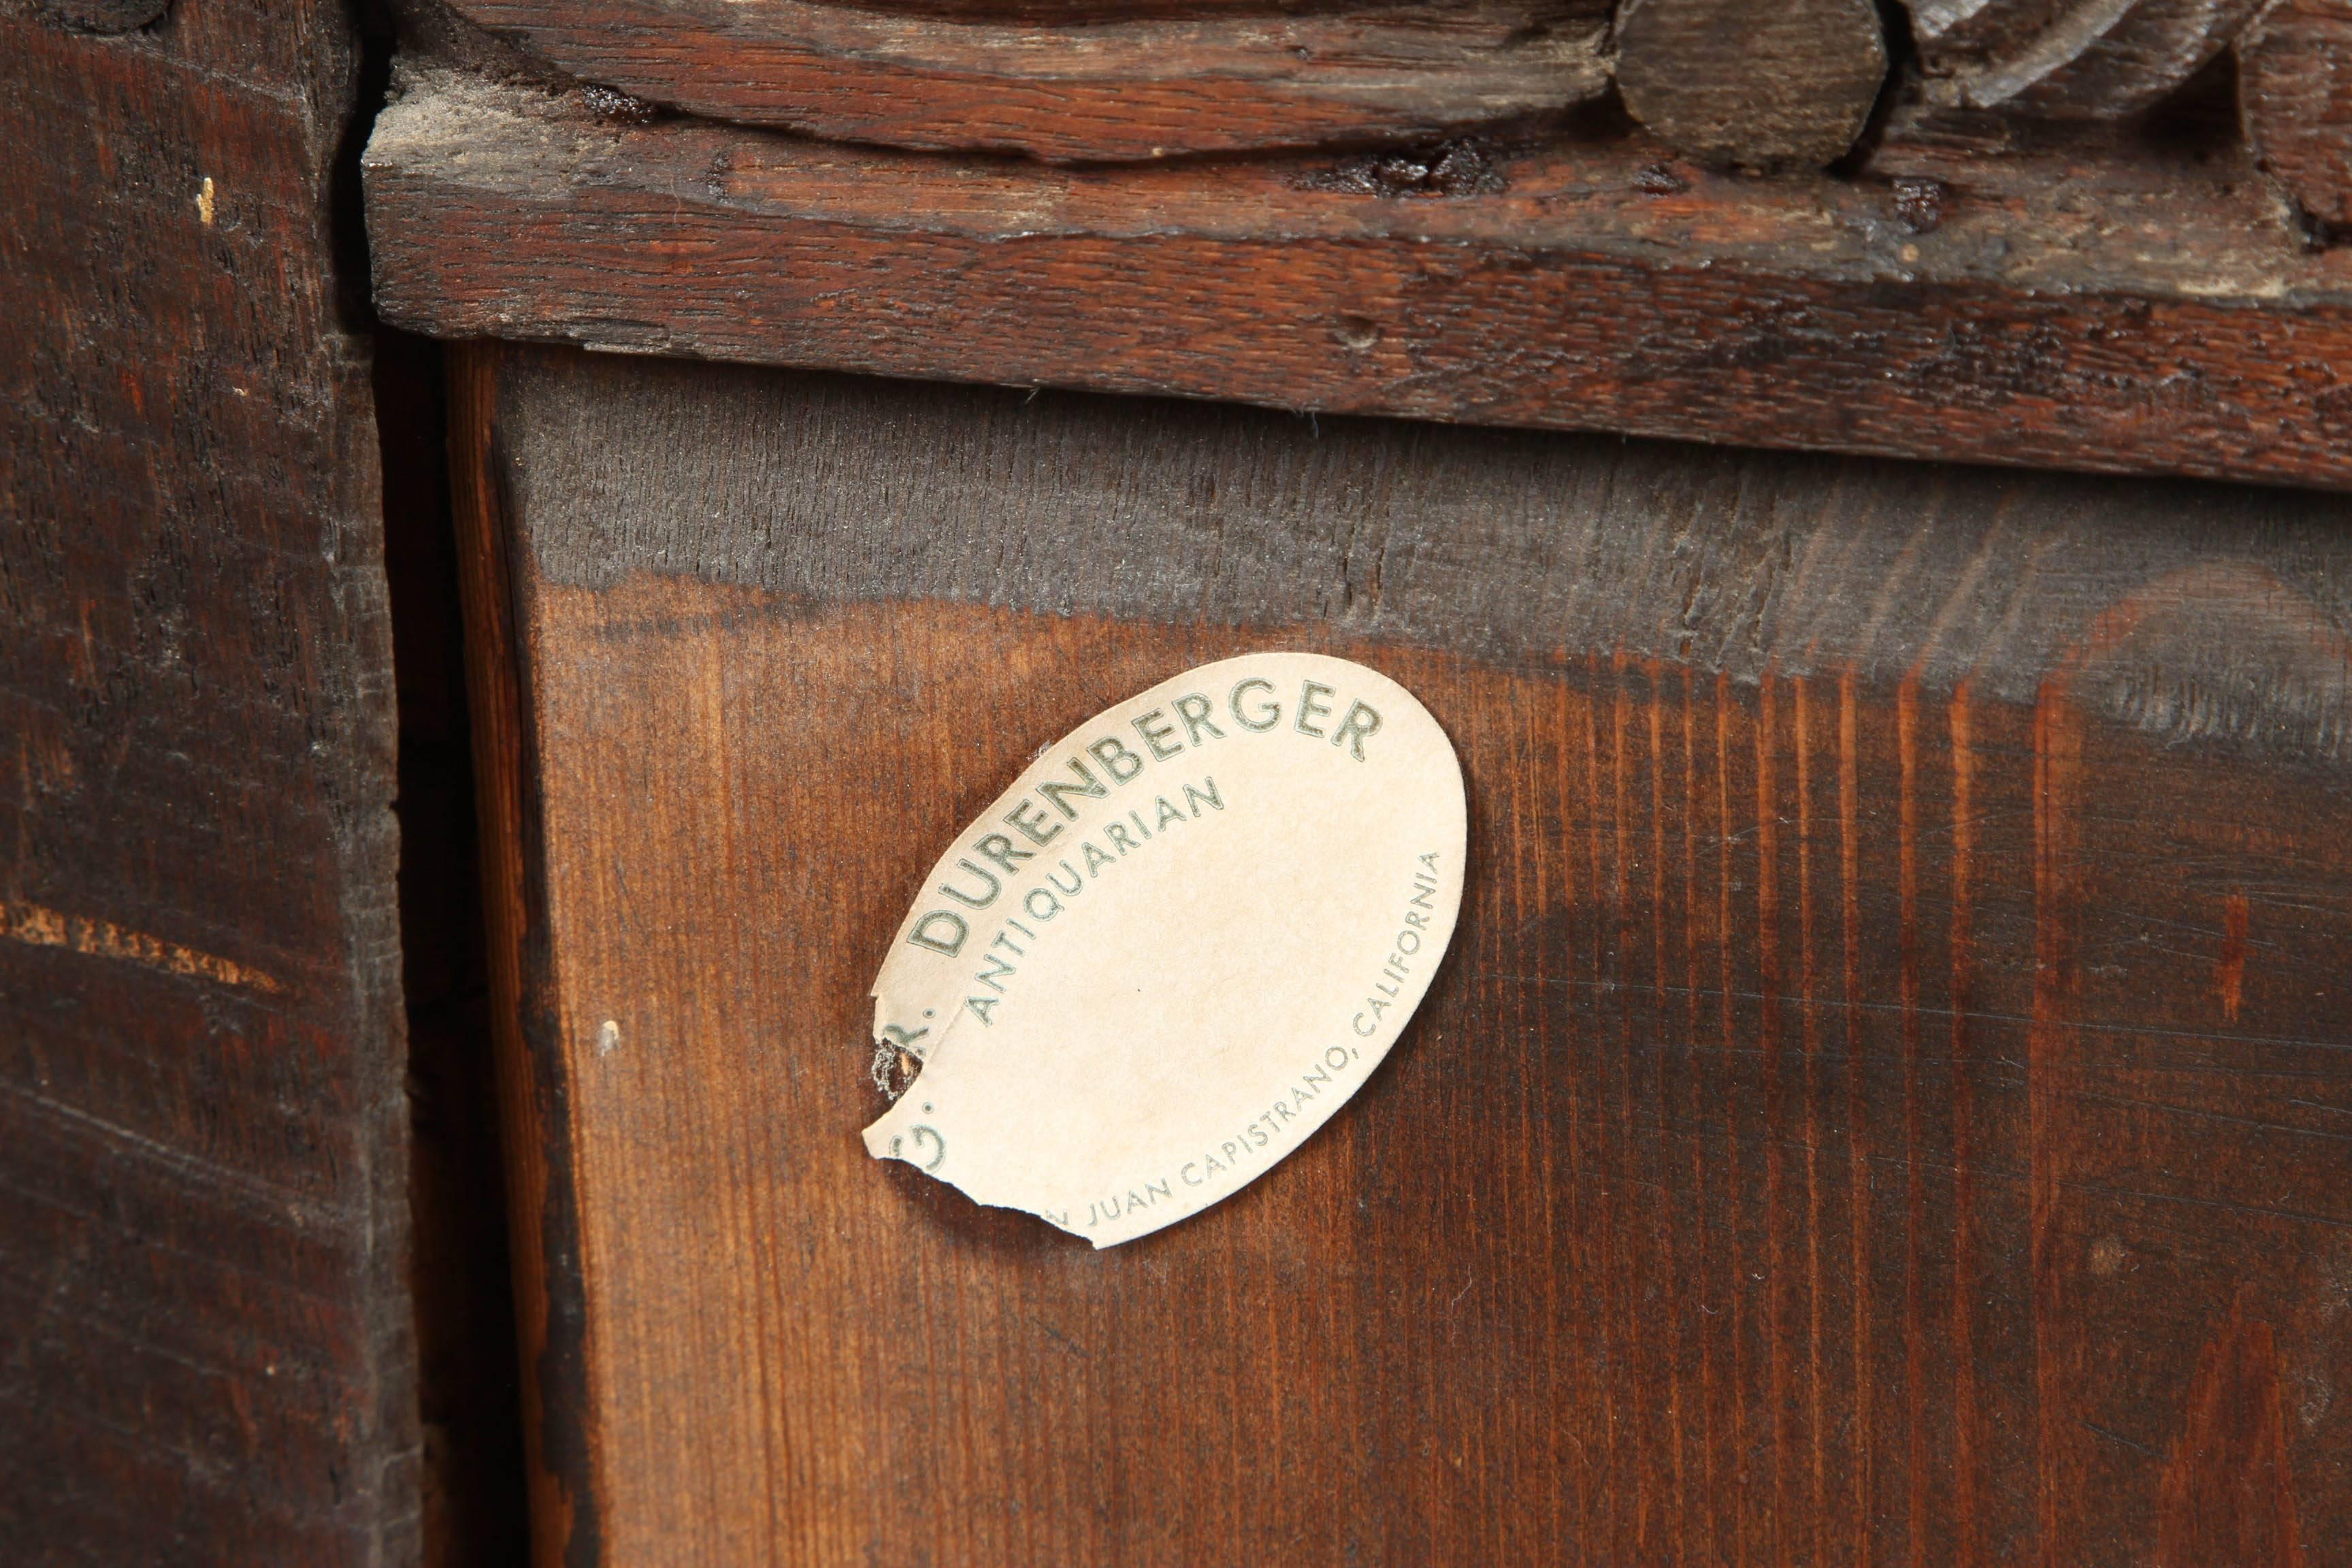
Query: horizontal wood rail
pixel 2137 311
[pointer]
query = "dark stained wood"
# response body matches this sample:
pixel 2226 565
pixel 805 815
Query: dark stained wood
pixel 1758 86
pixel 2070 60
pixel 1138 86
pixel 206 1351
pixel 1887 1102
pixel 2145 314
pixel 2294 88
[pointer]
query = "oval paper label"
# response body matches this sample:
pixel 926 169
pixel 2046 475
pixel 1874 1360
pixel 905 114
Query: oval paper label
pixel 1180 943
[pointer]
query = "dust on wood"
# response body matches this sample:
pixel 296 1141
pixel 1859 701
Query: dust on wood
pixel 1463 167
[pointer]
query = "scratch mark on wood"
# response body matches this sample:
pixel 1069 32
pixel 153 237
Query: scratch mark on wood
pixel 38 926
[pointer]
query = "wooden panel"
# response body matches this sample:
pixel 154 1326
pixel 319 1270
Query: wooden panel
pixel 205 1352
pixel 1887 1102
pixel 2160 313
pixel 1134 87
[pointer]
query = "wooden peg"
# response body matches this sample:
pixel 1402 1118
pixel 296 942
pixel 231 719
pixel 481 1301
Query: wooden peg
pixel 1728 81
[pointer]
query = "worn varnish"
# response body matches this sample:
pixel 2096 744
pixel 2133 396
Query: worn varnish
pixel 206 1350
pixel 1085 87
pixel 1887 1102
pixel 2154 313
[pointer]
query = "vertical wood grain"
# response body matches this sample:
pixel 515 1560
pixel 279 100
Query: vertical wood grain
pixel 1829 1141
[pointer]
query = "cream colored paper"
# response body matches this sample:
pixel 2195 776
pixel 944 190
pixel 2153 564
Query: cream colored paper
pixel 1180 941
